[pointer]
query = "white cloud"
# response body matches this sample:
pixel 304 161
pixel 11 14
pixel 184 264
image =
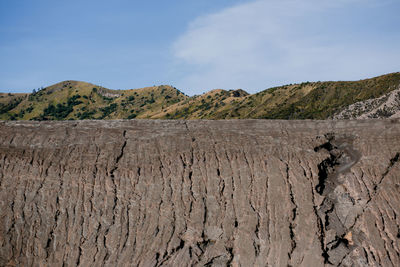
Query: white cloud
pixel 270 42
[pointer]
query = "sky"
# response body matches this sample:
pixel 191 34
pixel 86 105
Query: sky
pixel 195 45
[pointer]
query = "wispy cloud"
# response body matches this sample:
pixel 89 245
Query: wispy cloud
pixel 270 42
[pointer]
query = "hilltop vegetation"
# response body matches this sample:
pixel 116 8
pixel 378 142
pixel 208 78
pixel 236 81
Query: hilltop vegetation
pixel 73 100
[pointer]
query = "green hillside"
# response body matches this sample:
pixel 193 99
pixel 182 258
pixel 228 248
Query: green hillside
pixel 73 100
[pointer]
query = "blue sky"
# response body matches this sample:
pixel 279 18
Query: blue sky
pixel 196 45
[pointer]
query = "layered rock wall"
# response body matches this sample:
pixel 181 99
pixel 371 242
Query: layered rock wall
pixel 200 193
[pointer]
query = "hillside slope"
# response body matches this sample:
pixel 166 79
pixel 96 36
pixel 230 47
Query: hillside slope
pixel 200 193
pixel 74 100
pixel 71 100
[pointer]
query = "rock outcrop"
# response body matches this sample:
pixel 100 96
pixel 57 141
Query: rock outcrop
pixel 386 106
pixel 200 193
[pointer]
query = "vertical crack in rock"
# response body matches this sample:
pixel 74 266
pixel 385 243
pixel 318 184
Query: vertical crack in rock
pixel 326 167
pixel 342 156
pixel 256 240
pixel 294 213
pixel 112 176
pixel 231 256
pixel 392 162
pixel 204 242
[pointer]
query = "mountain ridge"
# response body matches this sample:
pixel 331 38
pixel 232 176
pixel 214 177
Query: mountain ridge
pixel 77 100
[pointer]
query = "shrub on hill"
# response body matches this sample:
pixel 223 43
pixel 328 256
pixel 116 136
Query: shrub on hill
pixel 4 108
pixel 60 111
pixel 108 110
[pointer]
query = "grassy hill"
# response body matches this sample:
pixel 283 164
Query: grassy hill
pixel 73 100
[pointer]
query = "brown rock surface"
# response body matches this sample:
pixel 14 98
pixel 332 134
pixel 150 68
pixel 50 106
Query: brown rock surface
pixel 200 193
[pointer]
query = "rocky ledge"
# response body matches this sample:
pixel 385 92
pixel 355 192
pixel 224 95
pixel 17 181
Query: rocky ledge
pixel 200 193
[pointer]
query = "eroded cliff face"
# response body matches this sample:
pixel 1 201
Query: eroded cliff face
pixel 202 193
pixel 386 106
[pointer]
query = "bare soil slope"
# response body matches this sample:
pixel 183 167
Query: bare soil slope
pixel 386 106
pixel 200 193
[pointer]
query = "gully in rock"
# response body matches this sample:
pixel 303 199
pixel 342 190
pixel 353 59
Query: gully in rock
pixel 342 156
